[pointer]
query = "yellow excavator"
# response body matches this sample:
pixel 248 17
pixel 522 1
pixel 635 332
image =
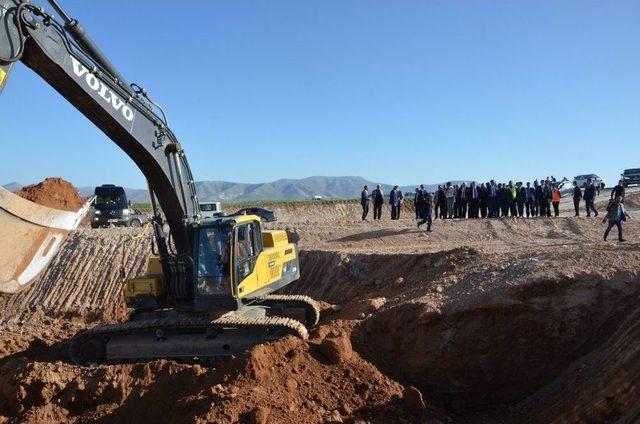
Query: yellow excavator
pixel 208 291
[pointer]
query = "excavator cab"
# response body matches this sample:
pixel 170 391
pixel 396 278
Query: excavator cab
pixel 235 262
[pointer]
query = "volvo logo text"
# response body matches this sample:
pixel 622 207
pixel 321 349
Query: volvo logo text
pixel 96 85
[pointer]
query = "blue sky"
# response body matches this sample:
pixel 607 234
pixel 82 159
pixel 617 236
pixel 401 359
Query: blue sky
pixel 403 92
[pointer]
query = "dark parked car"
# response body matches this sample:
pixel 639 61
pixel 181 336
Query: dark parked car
pixel 631 176
pixel 265 214
pixel 128 217
pixel 111 207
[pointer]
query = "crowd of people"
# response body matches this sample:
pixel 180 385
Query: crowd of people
pixel 491 200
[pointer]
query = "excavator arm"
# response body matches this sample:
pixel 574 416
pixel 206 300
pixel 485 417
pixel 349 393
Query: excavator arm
pixel 66 58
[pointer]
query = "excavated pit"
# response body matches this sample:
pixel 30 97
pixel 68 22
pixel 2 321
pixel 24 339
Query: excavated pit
pixel 514 348
pixel 485 336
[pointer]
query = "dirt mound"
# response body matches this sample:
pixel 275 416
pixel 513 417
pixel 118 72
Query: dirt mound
pixel 54 193
pixel 288 381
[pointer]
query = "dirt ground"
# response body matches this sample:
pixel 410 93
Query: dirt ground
pixel 490 321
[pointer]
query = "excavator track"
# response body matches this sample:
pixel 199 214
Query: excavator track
pixel 187 339
pixel 302 308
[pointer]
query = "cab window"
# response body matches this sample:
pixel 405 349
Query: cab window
pixel 213 268
pixel 248 246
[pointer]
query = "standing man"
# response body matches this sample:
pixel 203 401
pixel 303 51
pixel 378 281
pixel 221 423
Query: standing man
pixel 394 200
pixel 513 194
pixel 484 200
pixel 437 202
pixel 442 199
pixel 378 201
pixel 400 201
pixel 462 201
pixel 556 196
pixel 577 196
pixel 473 194
pixel 616 213
pixel 415 203
pixel 545 197
pixel 493 200
pixel 505 199
pixel 364 201
pixel 531 198
pixel 456 202
pixel 589 197
pixel 538 195
pixel 521 198
pixel 451 197
pixel 618 191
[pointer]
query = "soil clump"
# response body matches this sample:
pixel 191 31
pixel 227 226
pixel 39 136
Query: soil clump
pixel 54 193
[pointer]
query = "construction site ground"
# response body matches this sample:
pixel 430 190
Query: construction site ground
pixel 491 321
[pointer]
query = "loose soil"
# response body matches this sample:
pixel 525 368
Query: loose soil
pixel 55 193
pixel 489 321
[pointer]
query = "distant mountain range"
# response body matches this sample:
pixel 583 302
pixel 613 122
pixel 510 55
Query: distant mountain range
pixel 14 186
pixel 285 189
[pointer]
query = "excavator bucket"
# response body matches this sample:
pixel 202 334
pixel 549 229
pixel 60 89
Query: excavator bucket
pixel 30 237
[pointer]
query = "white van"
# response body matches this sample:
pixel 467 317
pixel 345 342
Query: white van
pixel 596 180
pixel 210 209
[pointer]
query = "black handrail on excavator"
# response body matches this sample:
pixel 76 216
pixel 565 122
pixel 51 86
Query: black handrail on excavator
pixel 66 57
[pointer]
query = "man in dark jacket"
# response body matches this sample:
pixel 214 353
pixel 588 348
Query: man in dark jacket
pixel 589 197
pixel 531 199
pixel 461 201
pixel 618 191
pixel 577 196
pixel 521 198
pixel 425 209
pixel 538 197
pixel 415 203
pixel 473 196
pixel 378 201
pixel 484 200
pixel 505 199
pixel 494 199
pixel 442 200
pixel 394 201
pixel 364 202
pixel 437 203
pixel 545 198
